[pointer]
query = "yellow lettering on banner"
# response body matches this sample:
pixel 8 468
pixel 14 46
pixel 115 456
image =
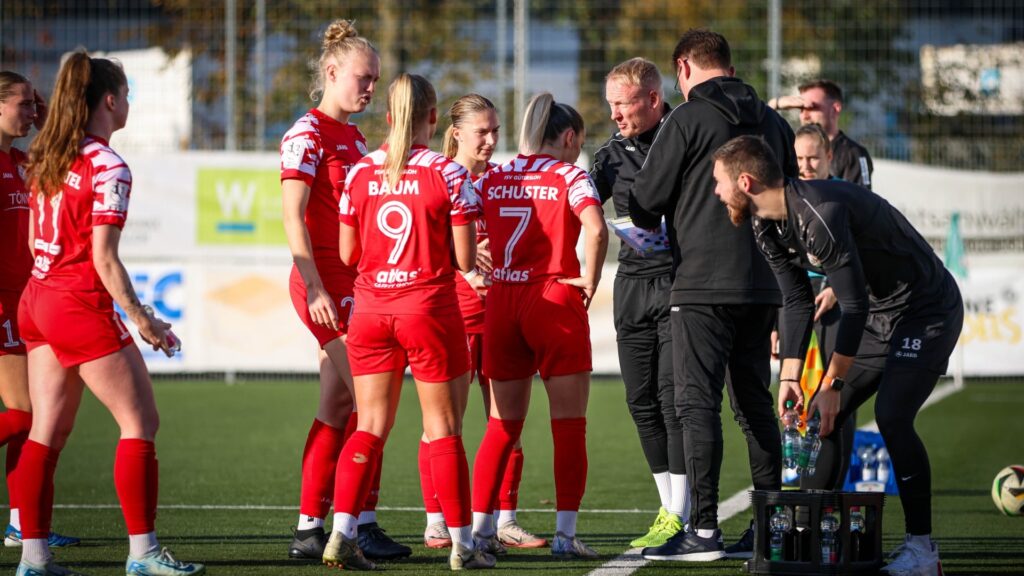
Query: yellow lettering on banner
pixel 992 327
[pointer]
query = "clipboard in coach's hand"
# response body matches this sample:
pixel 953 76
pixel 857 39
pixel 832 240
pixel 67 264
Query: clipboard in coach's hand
pixel 639 239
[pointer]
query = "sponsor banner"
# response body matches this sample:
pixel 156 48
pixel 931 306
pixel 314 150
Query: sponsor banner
pixel 239 206
pixel 163 288
pixel 993 334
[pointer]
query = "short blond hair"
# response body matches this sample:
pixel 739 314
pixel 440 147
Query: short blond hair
pixel 637 72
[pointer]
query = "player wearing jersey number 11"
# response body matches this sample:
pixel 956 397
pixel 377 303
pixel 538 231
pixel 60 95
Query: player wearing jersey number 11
pixel 536 318
pixel 403 210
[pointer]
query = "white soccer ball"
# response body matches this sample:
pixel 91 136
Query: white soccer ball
pixel 1008 490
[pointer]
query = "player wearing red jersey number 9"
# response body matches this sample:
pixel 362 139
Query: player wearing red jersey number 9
pixel 536 317
pixel 316 154
pixel 402 210
pixel 80 191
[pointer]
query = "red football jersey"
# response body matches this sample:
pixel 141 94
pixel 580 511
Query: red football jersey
pixel 95 193
pixel 319 150
pixel 532 206
pixel 16 263
pixel 471 303
pixel 406 263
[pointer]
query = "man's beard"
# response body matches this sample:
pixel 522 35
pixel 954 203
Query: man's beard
pixel 739 209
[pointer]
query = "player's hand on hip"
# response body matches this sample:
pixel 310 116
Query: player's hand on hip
pixel 483 256
pixel 825 302
pixel 789 390
pixel 321 308
pixel 586 287
pixel 480 283
pixel 826 402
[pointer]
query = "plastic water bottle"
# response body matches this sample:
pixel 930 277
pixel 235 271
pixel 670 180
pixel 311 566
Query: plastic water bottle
pixel 791 441
pixel 856 530
pixel 829 545
pixel 780 527
pixel 172 344
pixel 884 468
pixel 811 446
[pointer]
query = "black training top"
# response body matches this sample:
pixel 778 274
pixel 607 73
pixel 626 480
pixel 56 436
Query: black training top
pixel 715 262
pixel 851 161
pixel 615 166
pixel 880 267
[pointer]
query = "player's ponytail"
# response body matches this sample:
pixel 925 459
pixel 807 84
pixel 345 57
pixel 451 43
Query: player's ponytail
pixel 460 110
pixel 545 121
pixel 341 39
pixel 81 85
pixel 410 99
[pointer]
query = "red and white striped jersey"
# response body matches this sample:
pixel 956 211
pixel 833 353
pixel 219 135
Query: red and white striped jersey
pixel 319 151
pixel 17 258
pixel 406 263
pixel 532 206
pixel 95 193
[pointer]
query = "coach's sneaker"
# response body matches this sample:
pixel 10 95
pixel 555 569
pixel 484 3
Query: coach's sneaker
pixel 567 548
pixel 341 552
pixel 465 558
pixel 915 558
pixel 689 547
pixel 512 535
pixel 51 568
pixel 437 536
pixel 489 544
pixel 308 544
pixel 377 545
pixel 743 549
pixel 12 539
pixel 161 563
pixel 665 526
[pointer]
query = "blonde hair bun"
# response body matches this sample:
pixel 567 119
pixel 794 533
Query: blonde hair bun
pixel 339 31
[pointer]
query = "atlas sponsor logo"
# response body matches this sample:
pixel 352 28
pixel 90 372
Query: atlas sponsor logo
pixel 395 276
pixel 510 275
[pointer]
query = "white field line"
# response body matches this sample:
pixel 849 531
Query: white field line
pixel 630 561
pixel 295 507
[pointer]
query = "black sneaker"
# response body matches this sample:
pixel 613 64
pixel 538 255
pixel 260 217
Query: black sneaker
pixel 376 545
pixel 743 549
pixel 688 547
pixel 308 544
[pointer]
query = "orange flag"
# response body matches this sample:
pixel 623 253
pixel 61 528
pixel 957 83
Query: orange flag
pixel 810 378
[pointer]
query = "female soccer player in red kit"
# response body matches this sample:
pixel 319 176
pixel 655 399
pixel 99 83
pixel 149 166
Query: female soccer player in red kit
pixel 470 141
pixel 21 107
pixel 403 210
pixel 80 189
pixel 536 317
pixel 316 154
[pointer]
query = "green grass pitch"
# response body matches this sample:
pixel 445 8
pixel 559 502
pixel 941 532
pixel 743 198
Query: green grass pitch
pixel 225 451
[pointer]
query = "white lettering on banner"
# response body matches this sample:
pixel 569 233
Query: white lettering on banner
pixel 522 193
pixel 236 198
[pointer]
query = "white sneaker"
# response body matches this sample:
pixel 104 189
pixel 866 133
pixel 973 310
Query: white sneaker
pixel 912 558
pixel 437 536
pixel 464 558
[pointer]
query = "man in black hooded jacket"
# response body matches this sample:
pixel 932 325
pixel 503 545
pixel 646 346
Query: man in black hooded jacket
pixel 724 296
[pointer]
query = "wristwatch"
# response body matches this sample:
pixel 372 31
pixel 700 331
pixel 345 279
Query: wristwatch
pixel 837 384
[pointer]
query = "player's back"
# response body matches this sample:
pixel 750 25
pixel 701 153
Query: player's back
pixel 531 207
pixel 405 233
pixel 95 192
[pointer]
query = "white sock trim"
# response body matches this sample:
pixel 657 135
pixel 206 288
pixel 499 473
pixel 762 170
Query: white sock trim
pixel 483 524
pixel 565 522
pixel 309 522
pixel 142 545
pixel 346 524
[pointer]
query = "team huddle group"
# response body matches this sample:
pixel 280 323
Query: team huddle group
pixel 457 268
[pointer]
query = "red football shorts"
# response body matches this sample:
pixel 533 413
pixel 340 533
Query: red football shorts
pixel 476 358
pixel 79 326
pixel 340 290
pixel 538 326
pixel 433 346
pixel 10 340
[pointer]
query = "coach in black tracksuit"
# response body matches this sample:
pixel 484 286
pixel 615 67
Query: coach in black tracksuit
pixel 724 296
pixel 642 285
pixel 901 313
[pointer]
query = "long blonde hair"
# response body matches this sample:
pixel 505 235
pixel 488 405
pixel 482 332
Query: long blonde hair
pixel 544 121
pixel 81 84
pixel 460 110
pixel 410 99
pixel 341 40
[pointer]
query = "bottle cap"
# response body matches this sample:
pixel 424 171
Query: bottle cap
pixel 789 404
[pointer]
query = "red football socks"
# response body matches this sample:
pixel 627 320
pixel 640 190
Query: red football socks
pixel 35 489
pixel 319 462
pixel 14 427
pixel 427 480
pixel 356 468
pixel 491 459
pixel 508 498
pixel 136 479
pixel 451 473
pixel 570 439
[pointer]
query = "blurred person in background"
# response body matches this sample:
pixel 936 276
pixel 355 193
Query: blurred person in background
pixel 21 108
pixel 405 209
pixel 643 283
pixel 80 189
pixel 470 141
pixel 316 154
pixel 536 320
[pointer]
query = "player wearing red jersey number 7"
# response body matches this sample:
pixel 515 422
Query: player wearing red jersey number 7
pixel 536 317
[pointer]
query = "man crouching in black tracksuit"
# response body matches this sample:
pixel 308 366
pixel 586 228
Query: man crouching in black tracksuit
pixel 724 296
pixel 901 314
pixel 642 284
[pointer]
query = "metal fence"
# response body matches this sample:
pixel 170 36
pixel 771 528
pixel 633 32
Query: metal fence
pixel 937 82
